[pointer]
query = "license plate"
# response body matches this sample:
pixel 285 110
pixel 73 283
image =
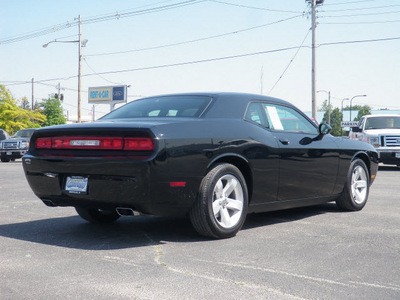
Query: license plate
pixel 76 184
pixel 9 153
pixel 397 154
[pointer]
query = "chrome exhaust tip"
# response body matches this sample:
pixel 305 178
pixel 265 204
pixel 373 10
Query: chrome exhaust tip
pixel 48 202
pixel 126 211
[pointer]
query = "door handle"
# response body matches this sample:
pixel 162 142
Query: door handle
pixel 284 141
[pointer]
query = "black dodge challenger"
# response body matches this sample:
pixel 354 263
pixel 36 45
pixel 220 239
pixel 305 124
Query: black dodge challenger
pixel 212 156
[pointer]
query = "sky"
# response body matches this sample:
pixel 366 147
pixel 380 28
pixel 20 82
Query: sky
pixel 160 47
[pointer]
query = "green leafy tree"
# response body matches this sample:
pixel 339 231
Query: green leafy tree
pixel 325 106
pixel 14 118
pixel 336 118
pixel 364 110
pixel 25 104
pixel 53 111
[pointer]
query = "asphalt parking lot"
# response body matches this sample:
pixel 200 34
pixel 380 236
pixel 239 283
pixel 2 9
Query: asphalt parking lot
pixel 308 253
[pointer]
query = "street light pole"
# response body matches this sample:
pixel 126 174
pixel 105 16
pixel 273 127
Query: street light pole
pixel 313 84
pixel 352 101
pixel 81 43
pixel 79 71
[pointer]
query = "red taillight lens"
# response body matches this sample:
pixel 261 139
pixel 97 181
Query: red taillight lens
pixel 98 143
pixel 139 144
pixel 43 143
pixel 177 184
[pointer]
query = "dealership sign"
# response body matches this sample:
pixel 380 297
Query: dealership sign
pixel 107 94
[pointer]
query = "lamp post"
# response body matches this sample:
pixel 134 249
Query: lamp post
pixel 351 100
pixel 81 43
pixel 329 104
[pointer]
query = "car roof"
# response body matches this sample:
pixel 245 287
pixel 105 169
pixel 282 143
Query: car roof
pixel 227 104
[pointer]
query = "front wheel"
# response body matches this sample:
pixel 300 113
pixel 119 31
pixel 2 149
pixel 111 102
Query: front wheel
pixel 98 216
pixel 355 193
pixel 4 158
pixel 221 206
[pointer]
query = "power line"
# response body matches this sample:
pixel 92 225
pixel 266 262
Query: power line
pixel 258 8
pixel 359 41
pixel 139 12
pixel 348 2
pixel 210 59
pixel 195 40
pixel 362 8
pixel 290 62
pixel 367 22
pixel 358 15
pixel 98 74
pixel 95 19
pixel 37 33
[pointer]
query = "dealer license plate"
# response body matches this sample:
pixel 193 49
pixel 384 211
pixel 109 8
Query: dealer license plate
pixel 9 153
pixel 76 184
pixel 397 154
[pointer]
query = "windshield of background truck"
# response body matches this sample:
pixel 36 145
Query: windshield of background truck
pixel 383 123
pixel 23 134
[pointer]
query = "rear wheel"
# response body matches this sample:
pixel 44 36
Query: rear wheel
pixel 98 216
pixel 221 207
pixel 355 193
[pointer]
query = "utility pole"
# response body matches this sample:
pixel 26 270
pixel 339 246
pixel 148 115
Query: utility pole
pixel 314 4
pixel 59 91
pixel 79 70
pixel 33 98
pixel 313 83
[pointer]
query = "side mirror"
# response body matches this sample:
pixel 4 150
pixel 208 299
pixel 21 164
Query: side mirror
pixel 324 129
pixel 356 129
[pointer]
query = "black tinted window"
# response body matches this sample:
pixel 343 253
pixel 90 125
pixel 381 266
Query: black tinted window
pixel 166 106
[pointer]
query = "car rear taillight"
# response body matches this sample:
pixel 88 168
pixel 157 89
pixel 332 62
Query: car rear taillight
pixel 102 143
pixel 139 144
pixel 43 143
pixel 96 143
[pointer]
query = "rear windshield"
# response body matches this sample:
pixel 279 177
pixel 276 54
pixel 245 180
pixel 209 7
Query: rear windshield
pixel 162 107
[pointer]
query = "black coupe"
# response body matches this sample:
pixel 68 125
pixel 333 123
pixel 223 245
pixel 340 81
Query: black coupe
pixel 212 156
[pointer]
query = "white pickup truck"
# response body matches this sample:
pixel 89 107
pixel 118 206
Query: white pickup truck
pixel 383 132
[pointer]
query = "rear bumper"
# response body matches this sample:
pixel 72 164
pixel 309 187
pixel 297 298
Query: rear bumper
pixel 140 185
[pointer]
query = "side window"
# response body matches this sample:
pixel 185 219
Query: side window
pixel 284 118
pixel 255 114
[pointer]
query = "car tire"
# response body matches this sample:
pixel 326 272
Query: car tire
pixel 356 191
pixel 4 158
pixel 97 216
pixel 221 207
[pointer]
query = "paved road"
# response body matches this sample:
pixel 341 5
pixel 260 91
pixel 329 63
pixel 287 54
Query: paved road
pixel 309 253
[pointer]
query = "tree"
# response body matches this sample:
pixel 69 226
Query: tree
pixel 325 106
pixel 14 118
pixel 25 104
pixel 364 110
pixel 336 118
pixel 53 111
